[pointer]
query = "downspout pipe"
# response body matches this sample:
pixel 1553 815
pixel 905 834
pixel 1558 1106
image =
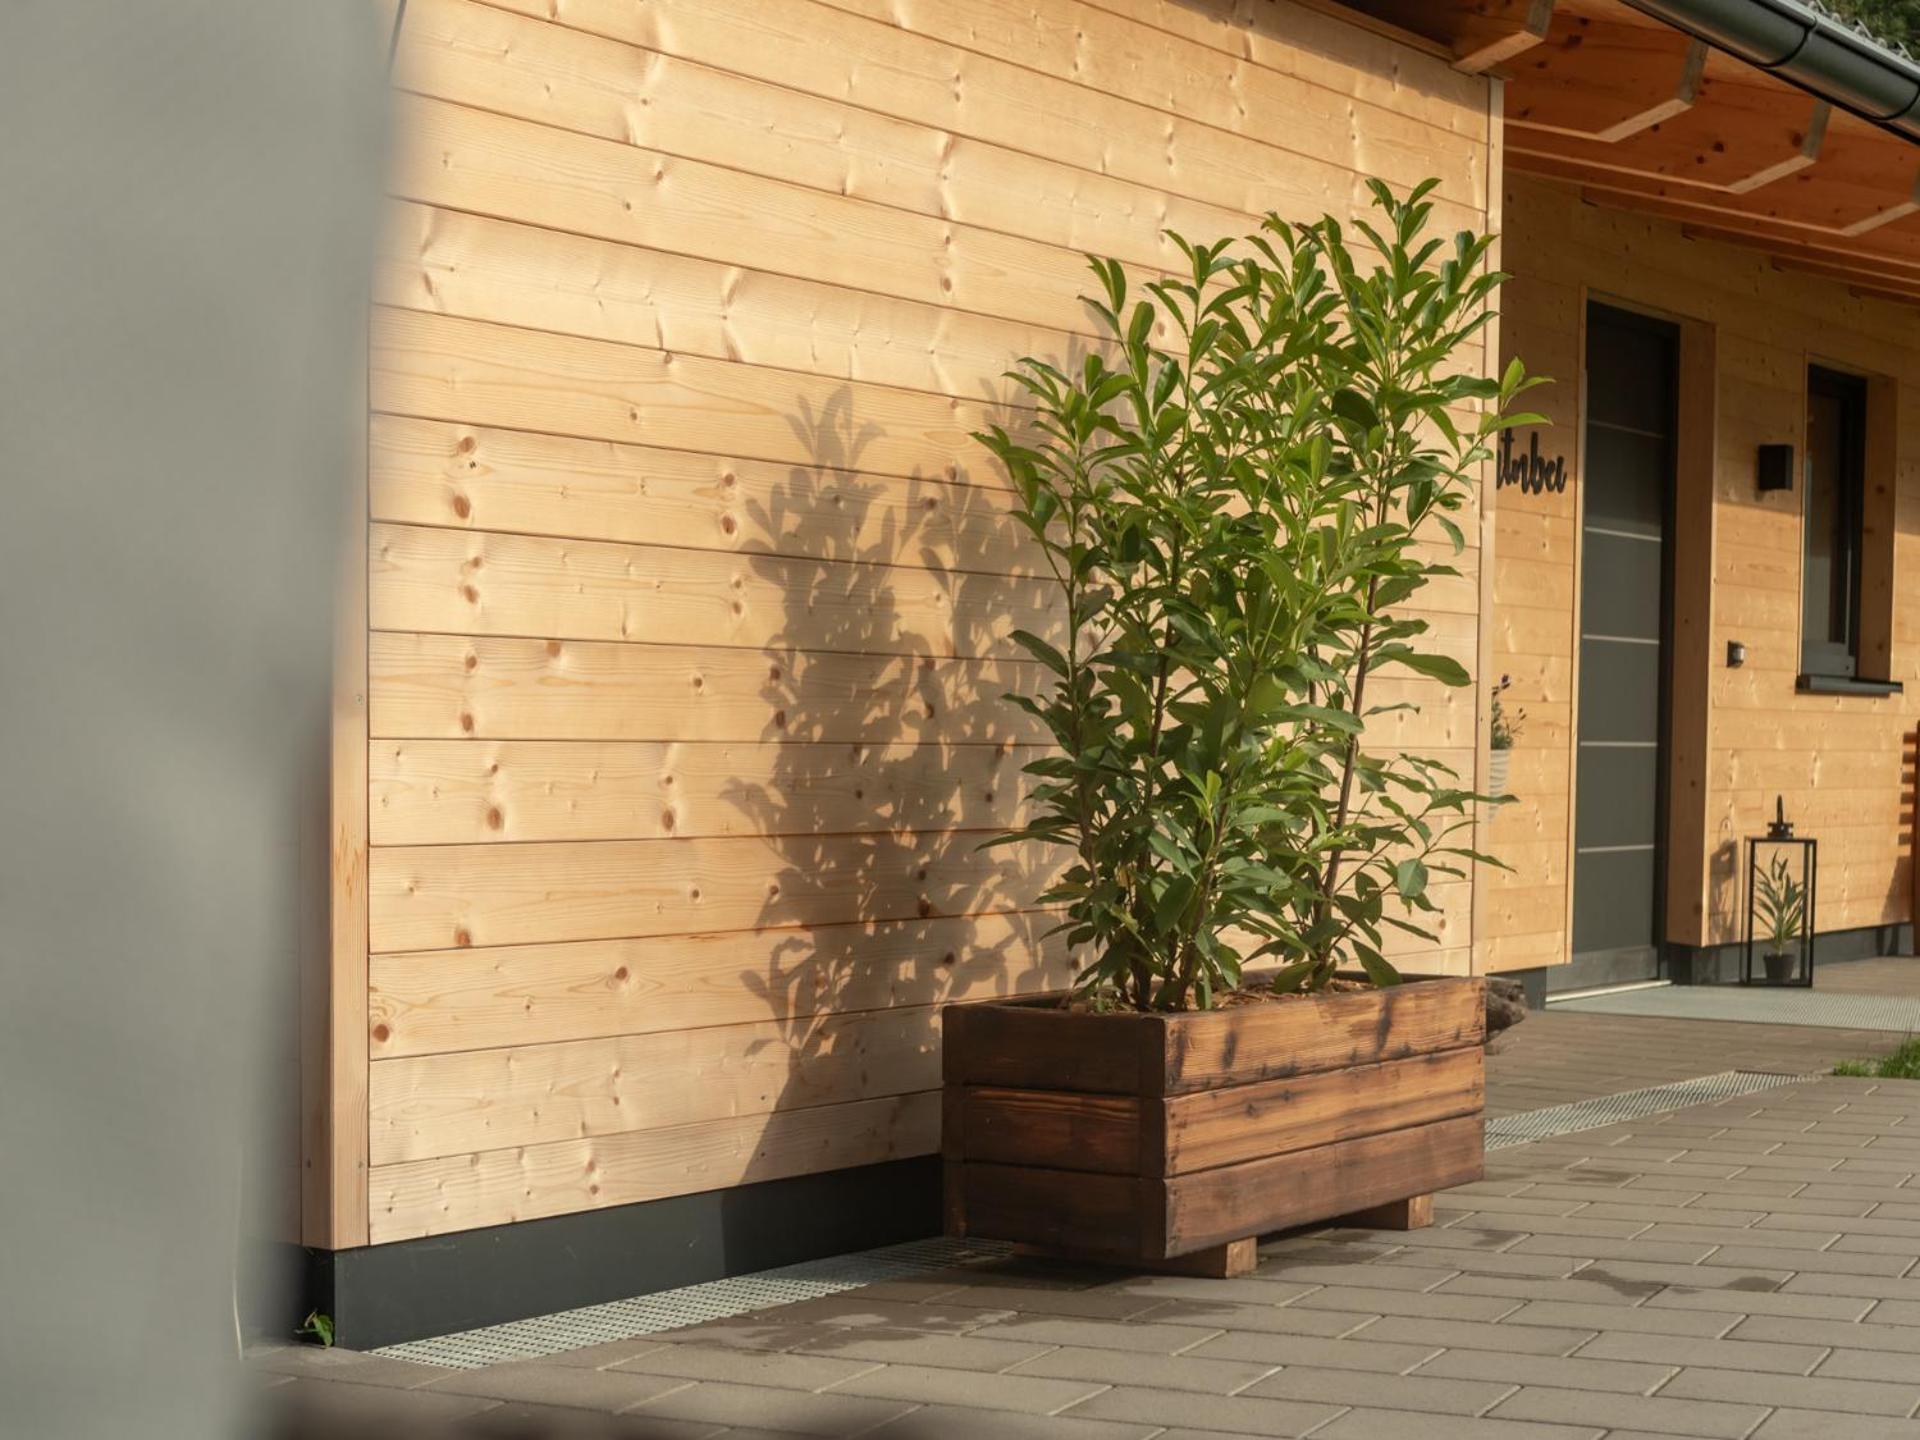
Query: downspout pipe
pixel 1808 49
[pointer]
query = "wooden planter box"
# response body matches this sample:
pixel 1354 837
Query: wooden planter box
pixel 1143 1138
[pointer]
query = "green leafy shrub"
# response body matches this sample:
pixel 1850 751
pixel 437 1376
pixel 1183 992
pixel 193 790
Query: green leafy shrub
pixel 1238 519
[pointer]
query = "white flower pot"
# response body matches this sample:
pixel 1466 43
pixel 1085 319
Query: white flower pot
pixel 1497 762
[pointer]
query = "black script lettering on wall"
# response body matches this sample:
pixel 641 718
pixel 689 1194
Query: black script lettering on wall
pixel 1531 472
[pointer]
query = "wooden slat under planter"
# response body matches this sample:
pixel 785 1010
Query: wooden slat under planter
pixel 1151 1137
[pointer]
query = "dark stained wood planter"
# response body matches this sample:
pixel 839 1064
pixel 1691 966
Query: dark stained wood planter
pixel 1149 1137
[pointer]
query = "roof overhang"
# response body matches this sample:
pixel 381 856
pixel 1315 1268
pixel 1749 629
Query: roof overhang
pixel 1760 122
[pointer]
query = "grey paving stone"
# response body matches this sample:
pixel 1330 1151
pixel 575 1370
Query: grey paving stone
pixel 1865 1242
pixel 1815 1262
pixel 1819 1425
pixel 1508 1337
pixel 1895 1312
pixel 599 1357
pixel 1557 1314
pixel 1704 1234
pixel 753 1334
pixel 926 1385
pixel 1678 1214
pixel 1428 1394
pixel 1251 1290
pixel 1579 1288
pixel 1856 1287
pixel 912 1347
pixel 1594 1247
pixel 769 1409
pixel 329 1408
pixel 1440 1263
pixel 1634 1197
pixel 1870 1365
pixel 352 1366
pixel 946 1422
pixel 1283 1320
pixel 538 1383
pixel 1699 1277
pixel 850 1309
pixel 1368 1424
pixel 1358 1353
pixel 1900 1339
pixel 1444 1236
pixel 1577 1225
pixel 1205 1374
pixel 1206 1412
pixel 1748 1355
pixel 1505 1205
pixel 1641 1412
pixel 1114 1302
pixel 1561 1372
pixel 1741 1185
pixel 1305 1277
pixel 1368 1300
pixel 1762 1302
pixel 785 1369
pixel 555 1422
pixel 1139 1336
pixel 1800 1392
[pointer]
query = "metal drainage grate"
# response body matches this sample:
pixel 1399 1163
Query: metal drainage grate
pixel 1629 1105
pixel 691 1304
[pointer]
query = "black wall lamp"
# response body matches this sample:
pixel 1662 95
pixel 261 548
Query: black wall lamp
pixel 1775 470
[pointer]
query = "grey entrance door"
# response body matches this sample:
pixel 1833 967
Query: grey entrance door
pixel 1620 776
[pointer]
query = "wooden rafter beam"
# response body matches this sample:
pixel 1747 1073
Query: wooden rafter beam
pixel 1603 80
pixel 1496 31
pixel 1812 138
pixel 1477 34
pixel 1805 221
pixel 1899 210
pixel 1720 146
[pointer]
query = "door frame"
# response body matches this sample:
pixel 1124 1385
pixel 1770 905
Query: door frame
pixel 1683 870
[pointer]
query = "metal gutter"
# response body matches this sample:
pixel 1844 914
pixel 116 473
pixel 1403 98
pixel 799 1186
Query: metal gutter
pixel 1809 49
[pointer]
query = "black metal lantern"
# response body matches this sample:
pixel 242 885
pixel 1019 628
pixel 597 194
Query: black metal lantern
pixel 1782 870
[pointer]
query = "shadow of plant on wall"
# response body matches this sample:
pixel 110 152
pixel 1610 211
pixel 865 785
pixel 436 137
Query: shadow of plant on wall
pixel 895 757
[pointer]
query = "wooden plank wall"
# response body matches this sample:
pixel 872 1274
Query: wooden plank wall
pixel 689 596
pixel 1837 760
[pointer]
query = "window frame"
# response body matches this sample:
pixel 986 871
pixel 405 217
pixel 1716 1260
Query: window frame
pixel 1821 657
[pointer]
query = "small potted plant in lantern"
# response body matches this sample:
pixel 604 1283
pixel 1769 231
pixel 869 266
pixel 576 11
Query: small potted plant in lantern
pixel 1503 729
pixel 1238 517
pixel 1780 907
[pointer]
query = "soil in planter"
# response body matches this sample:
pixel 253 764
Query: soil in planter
pixel 1251 995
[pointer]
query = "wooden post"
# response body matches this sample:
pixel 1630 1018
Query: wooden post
pixel 1413 1213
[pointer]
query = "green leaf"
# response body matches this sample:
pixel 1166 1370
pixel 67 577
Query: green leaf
pixel 1040 650
pixel 1410 878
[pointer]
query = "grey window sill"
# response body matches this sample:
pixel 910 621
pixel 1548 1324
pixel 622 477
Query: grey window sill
pixel 1846 685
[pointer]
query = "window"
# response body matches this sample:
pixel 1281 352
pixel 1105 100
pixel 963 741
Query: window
pixel 1835 511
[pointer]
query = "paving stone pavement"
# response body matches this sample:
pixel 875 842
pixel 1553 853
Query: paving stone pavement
pixel 1742 1270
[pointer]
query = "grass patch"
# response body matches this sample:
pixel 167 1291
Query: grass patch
pixel 1902 1064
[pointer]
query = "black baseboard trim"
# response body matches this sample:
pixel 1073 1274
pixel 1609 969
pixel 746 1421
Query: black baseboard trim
pixel 410 1289
pixel 1720 964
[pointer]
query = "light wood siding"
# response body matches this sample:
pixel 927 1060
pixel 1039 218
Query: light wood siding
pixel 1742 736
pixel 689 597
